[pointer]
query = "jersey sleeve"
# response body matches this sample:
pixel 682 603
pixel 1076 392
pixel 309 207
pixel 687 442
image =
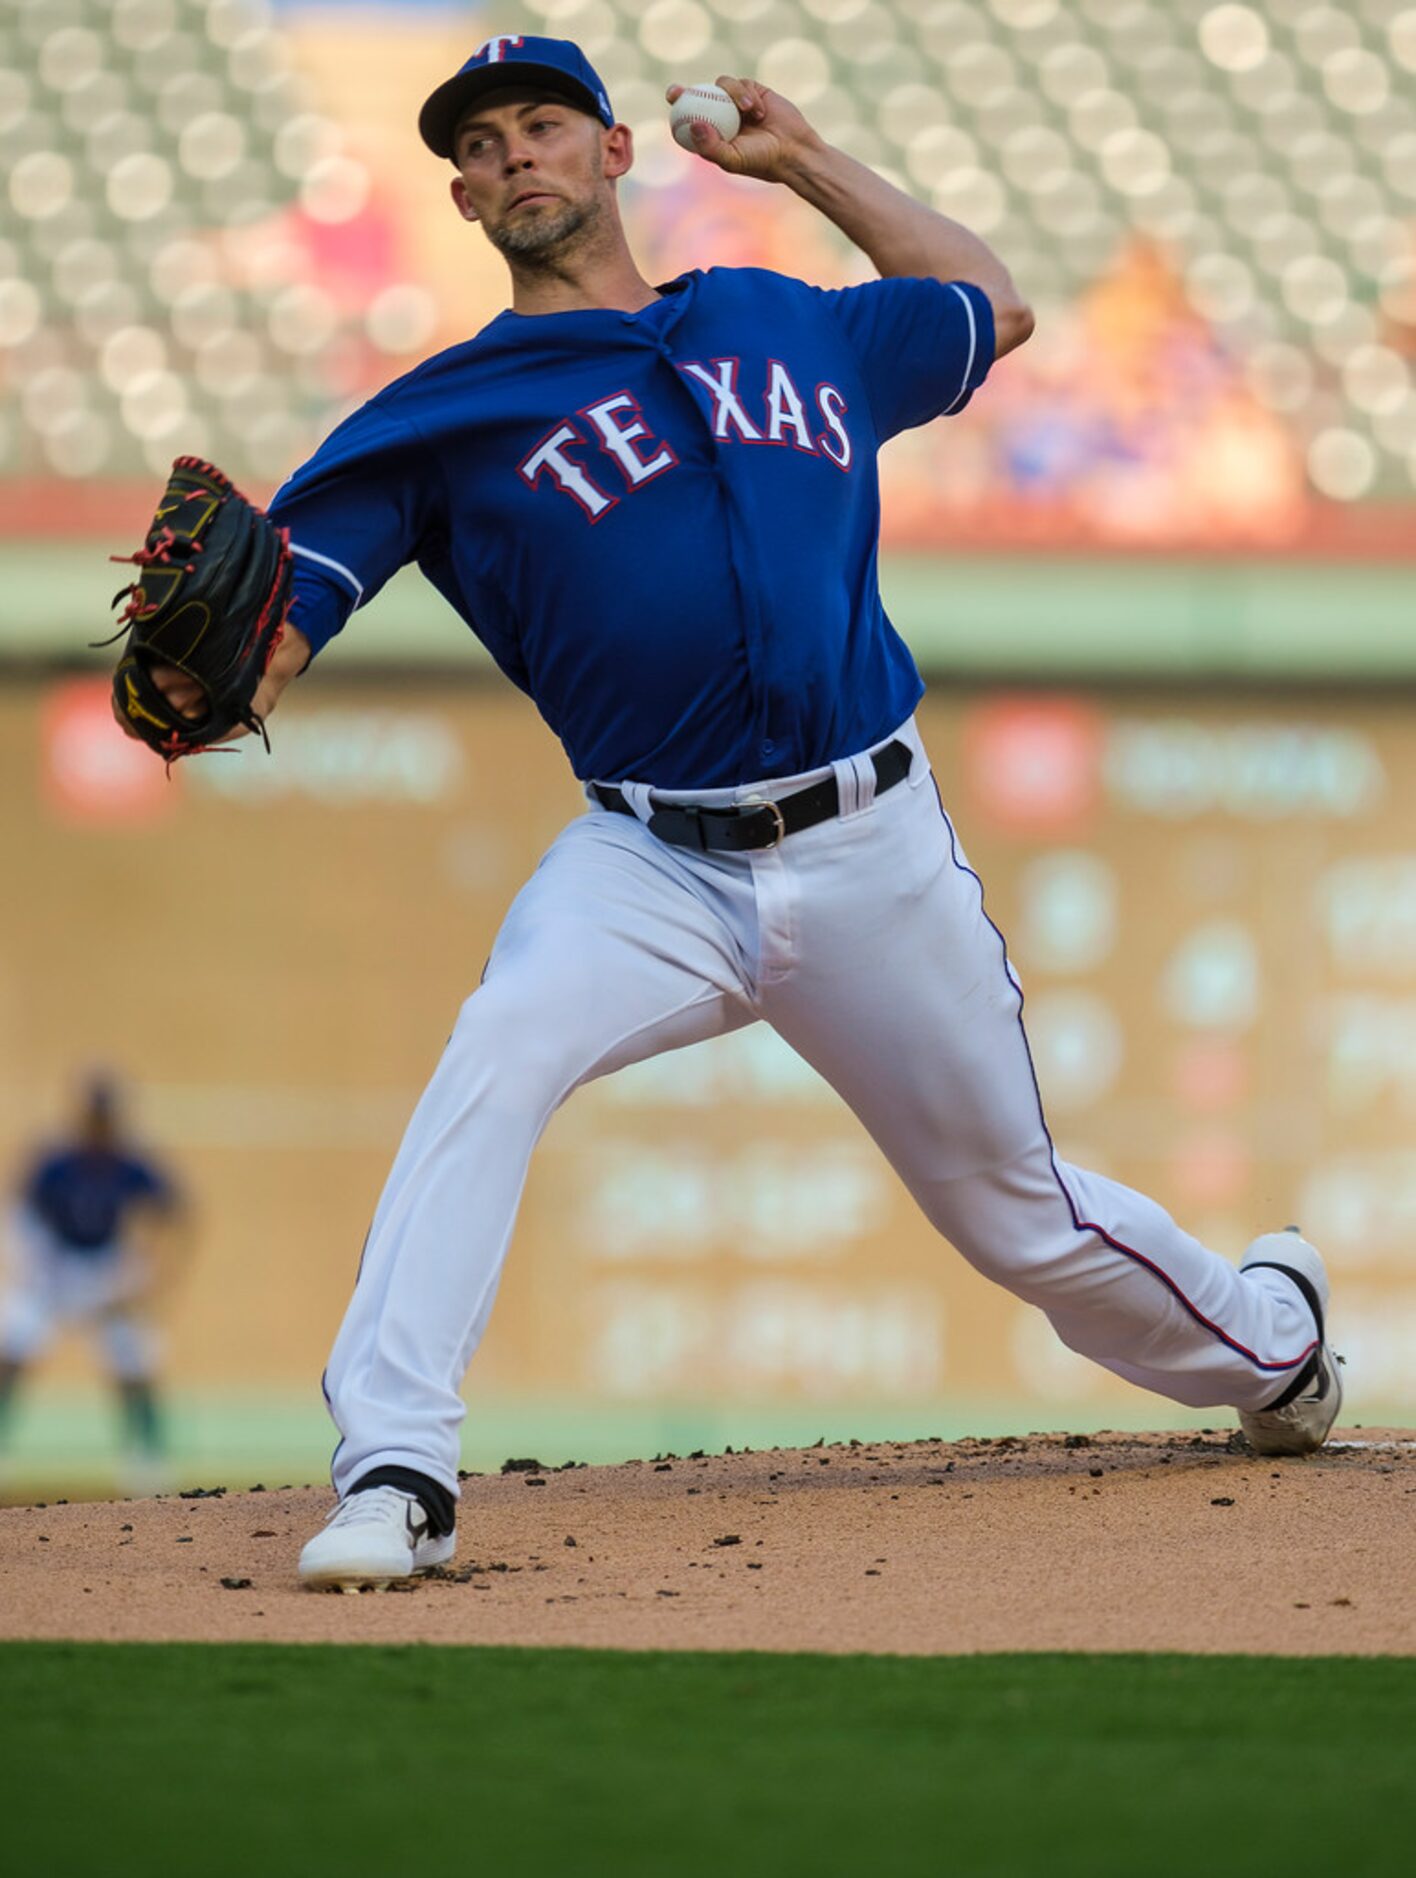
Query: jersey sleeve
pixel 357 511
pixel 923 346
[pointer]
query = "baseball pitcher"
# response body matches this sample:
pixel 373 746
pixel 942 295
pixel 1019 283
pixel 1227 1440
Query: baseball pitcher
pixel 657 506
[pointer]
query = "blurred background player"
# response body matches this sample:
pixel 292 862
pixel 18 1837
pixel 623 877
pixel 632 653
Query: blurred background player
pixel 97 1231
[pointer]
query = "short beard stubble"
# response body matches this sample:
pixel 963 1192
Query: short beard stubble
pixel 542 239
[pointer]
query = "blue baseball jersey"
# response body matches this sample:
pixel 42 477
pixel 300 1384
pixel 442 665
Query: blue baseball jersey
pixel 85 1195
pixel 662 525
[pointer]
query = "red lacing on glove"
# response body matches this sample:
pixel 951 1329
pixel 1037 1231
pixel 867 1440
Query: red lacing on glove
pixel 159 554
pixel 209 469
pixel 282 562
pixel 173 747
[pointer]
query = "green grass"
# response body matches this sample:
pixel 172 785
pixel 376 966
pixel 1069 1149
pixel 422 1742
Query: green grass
pixel 264 1760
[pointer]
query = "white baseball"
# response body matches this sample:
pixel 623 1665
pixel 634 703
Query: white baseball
pixel 703 104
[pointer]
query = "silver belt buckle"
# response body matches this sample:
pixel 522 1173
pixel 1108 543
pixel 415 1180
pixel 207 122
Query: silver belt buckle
pixel 761 802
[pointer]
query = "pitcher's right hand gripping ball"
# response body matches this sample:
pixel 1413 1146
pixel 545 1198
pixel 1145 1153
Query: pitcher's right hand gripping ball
pixel 210 602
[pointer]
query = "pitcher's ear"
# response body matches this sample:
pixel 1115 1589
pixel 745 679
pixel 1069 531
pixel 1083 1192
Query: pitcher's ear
pixel 618 147
pixel 459 196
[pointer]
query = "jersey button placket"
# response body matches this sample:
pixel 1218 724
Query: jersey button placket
pixel 739 537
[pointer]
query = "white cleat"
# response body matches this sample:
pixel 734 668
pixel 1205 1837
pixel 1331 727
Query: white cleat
pixel 1300 1425
pixel 370 1539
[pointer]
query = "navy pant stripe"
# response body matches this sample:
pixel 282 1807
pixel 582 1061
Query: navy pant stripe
pixel 1088 1225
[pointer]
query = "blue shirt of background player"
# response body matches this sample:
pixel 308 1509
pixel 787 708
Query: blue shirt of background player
pixel 85 1195
pixel 663 525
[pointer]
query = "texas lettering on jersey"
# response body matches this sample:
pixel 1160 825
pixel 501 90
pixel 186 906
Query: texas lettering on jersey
pixel 614 425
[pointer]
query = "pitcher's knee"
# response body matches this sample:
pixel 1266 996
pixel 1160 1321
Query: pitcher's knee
pixel 1022 1241
pixel 1008 1258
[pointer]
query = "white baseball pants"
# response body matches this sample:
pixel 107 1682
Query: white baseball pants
pixel 865 943
pixel 55 1287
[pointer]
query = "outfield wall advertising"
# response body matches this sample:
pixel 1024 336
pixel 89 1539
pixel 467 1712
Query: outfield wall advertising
pixel 1212 907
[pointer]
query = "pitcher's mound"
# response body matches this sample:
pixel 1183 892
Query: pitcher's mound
pixel 1043 1542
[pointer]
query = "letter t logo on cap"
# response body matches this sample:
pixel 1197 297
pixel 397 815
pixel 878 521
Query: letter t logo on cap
pixel 495 48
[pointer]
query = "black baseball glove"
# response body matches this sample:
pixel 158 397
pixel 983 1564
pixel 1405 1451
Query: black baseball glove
pixel 210 601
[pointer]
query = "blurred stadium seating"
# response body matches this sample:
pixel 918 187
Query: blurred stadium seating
pixel 1213 206
pixel 142 140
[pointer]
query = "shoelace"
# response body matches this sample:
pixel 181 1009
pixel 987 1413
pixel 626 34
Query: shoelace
pixel 370 1506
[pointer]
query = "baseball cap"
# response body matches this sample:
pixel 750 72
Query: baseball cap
pixel 513 59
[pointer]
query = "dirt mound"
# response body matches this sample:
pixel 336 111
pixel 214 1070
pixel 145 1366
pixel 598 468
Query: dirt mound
pixel 1101 1542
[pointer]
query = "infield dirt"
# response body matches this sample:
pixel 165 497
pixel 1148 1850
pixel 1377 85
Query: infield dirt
pixel 1043 1542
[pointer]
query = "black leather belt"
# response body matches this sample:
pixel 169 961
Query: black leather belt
pixel 748 825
